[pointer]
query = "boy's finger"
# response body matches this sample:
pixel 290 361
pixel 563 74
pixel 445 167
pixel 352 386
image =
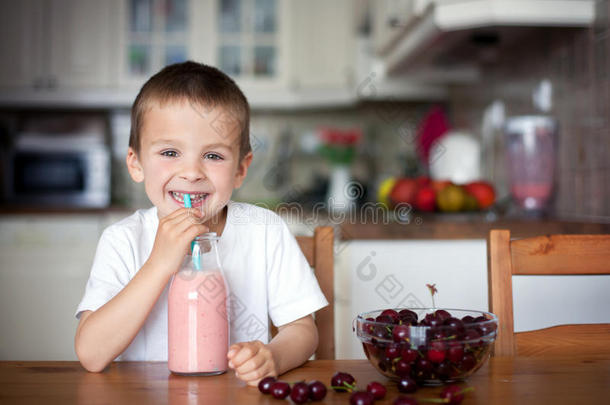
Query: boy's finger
pixel 243 355
pixel 251 365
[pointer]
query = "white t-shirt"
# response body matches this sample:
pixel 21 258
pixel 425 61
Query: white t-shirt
pixel 267 274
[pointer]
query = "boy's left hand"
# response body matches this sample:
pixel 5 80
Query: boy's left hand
pixel 252 361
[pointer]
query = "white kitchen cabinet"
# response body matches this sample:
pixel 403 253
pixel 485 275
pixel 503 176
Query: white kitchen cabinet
pixel 57 44
pixel 21 43
pixel 324 44
pixel 82 34
pixel 46 260
pixel 380 274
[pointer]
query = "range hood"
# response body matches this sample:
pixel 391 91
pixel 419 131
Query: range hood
pixel 445 33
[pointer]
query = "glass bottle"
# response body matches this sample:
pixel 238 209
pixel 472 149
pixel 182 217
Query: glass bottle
pixel 198 327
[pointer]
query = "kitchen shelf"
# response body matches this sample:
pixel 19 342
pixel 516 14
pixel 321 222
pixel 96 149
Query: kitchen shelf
pixel 428 33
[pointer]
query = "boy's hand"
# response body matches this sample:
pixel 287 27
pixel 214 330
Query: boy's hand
pixel 252 361
pixel 174 236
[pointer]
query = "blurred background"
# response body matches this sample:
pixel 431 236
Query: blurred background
pixel 451 116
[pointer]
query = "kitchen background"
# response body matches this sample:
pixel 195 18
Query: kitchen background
pixel 378 68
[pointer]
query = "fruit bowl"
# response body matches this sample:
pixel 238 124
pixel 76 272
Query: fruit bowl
pixel 430 345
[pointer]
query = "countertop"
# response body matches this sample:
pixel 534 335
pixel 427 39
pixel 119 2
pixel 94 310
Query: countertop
pixel 351 227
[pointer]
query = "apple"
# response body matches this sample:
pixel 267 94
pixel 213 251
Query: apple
pixel 425 199
pixel 438 185
pixel 404 191
pixel 483 192
pixel 423 181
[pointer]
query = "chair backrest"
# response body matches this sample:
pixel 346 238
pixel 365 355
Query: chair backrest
pixel 319 252
pixel 544 255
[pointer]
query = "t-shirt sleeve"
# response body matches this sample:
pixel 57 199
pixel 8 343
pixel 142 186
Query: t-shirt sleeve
pixel 293 288
pixel 109 272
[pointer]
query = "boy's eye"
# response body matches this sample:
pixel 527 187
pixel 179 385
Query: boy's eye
pixel 213 156
pixel 169 153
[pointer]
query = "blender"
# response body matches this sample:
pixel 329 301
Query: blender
pixel 531 148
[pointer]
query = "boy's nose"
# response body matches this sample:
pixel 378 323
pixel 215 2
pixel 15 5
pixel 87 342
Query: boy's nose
pixel 192 172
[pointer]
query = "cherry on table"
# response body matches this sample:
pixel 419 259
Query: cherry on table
pixel 317 390
pixel 341 381
pixel 377 389
pixel 361 398
pixel 265 384
pixel 280 389
pixel 407 385
pixel 299 393
pixel 454 394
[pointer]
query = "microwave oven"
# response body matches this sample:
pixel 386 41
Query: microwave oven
pixel 58 171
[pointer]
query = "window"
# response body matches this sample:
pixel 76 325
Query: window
pixel 248 38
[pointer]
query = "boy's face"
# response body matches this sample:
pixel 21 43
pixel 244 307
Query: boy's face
pixel 187 148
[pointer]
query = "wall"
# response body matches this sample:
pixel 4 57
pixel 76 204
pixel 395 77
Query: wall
pixel 577 63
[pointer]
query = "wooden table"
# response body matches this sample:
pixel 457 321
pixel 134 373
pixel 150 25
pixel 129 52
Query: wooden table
pixel 503 380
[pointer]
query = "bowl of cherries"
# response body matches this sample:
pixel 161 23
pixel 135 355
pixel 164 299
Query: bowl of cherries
pixel 431 346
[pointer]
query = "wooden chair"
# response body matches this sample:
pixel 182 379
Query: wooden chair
pixel 319 252
pixel 544 255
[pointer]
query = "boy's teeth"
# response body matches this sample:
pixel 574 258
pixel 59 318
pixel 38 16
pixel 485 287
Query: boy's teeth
pixel 194 197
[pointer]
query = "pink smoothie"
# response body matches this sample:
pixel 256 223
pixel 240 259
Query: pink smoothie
pixel 198 330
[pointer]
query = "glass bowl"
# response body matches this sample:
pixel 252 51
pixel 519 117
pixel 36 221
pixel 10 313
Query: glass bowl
pixel 431 345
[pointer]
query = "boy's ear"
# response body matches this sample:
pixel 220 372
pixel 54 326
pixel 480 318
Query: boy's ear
pixel 242 170
pixel 134 167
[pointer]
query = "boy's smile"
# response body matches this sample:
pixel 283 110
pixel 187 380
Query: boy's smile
pixel 183 152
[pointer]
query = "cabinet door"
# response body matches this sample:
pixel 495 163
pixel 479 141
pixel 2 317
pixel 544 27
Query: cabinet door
pixel 323 50
pixel 83 42
pixel 21 34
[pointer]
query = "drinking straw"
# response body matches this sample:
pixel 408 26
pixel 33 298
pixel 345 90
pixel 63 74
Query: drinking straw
pixel 194 247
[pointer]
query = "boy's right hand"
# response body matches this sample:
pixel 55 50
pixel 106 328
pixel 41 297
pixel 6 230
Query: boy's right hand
pixel 174 236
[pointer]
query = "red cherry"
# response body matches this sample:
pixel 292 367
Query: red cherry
pixel 299 393
pixel 392 351
pixel 403 368
pixel 361 398
pixel 317 390
pixel 407 385
pixel 342 382
pixel 280 389
pixel 400 333
pixel 391 313
pixel 454 394
pixel 436 353
pixel 265 384
pixel 455 352
pixel 409 355
pixel 442 315
pixel 376 389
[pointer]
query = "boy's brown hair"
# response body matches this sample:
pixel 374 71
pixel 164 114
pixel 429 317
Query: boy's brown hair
pixel 201 85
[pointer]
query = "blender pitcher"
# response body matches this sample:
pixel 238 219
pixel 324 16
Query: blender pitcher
pixel 530 143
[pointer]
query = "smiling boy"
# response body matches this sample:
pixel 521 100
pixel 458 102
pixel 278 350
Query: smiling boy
pixel 190 134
